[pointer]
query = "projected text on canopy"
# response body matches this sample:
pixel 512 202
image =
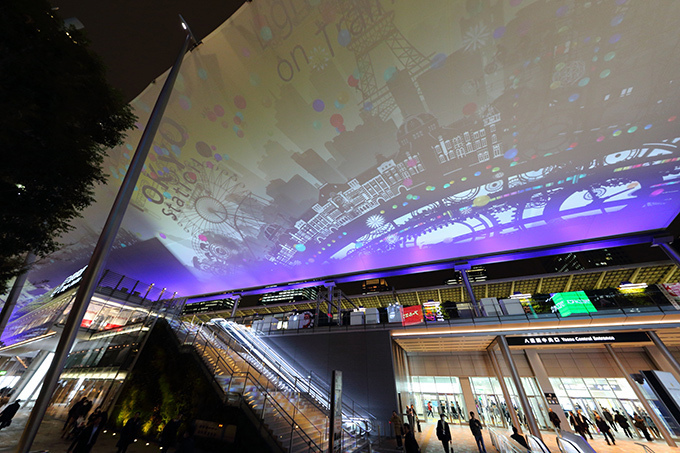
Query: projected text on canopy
pixel 306 139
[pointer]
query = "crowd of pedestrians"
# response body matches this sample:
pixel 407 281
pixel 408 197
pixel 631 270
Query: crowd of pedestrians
pixel 83 428
pixel 605 422
pixel 404 433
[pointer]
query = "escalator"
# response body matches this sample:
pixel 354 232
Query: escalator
pixel 293 407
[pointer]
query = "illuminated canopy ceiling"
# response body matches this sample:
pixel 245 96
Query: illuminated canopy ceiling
pixel 310 138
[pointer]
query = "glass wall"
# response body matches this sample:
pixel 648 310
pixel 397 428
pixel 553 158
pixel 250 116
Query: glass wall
pixel 444 395
pixel 592 395
pixel 493 409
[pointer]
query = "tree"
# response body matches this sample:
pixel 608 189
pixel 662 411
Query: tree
pixel 59 115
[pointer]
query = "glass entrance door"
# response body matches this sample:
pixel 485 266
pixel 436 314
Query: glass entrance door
pixel 442 393
pixel 488 401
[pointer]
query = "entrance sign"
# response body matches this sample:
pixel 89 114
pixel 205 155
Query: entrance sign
pixel 574 302
pixel 551 340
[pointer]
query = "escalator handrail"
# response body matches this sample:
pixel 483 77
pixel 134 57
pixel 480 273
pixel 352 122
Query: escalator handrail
pixel 350 412
pixel 250 377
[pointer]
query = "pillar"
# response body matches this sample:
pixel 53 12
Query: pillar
pixel 468 397
pixel 504 389
pixel 524 401
pixel 670 252
pixel 236 300
pixel 95 268
pixel 463 268
pixel 29 373
pixel 675 366
pixel 657 421
pixel 544 384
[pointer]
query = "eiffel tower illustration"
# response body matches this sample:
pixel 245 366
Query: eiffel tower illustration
pixel 378 29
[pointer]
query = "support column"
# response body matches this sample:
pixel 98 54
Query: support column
pixel 670 251
pixel 545 385
pixel 665 352
pixel 463 268
pixel 469 398
pixel 657 421
pixel 236 300
pixel 30 372
pixel 524 401
pixel 14 294
pixel 504 389
pixel 95 268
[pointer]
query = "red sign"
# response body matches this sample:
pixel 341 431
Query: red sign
pixel 412 315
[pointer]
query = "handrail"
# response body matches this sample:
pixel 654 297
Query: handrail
pixel 645 447
pixel 354 412
pixel 283 411
pixel 256 381
pixel 251 380
pixel 214 344
pixel 539 442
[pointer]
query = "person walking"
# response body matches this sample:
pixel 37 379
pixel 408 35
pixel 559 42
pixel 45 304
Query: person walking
pixel 398 426
pixel 415 419
pixel 583 423
pixel 650 423
pixel 639 423
pixel 73 415
pixel 129 432
pixel 169 433
pixel 476 428
pixel 610 419
pixel 87 437
pixel 429 409
pixel 443 432
pixel 555 419
pixel 410 443
pixel 623 423
pixel 517 437
pixel 604 428
pixel 8 414
pixel 409 416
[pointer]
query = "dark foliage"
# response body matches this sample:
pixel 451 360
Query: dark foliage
pixel 58 116
pixel 166 382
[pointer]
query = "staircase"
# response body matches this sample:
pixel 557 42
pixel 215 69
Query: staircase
pixel 295 426
pixel 293 409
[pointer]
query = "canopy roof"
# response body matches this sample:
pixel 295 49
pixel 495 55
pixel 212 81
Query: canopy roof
pixel 309 139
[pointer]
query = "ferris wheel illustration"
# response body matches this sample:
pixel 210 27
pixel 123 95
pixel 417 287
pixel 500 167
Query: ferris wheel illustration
pixel 223 215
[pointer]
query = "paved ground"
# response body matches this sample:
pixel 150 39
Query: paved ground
pixel 463 442
pixel 49 439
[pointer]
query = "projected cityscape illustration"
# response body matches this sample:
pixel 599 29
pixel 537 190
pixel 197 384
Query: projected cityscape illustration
pixel 306 139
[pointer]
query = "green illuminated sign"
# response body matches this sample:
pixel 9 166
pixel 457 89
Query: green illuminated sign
pixel 3 372
pixel 574 302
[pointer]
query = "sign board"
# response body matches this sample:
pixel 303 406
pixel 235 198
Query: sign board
pixel 672 293
pixel 3 372
pixel 432 311
pixel 335 427
pixel 412 315
pixel 71 281
pixel 574 302
pixel 551 340
pixel 551 398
